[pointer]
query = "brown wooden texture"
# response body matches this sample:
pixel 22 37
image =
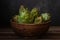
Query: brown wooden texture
pixel 7 33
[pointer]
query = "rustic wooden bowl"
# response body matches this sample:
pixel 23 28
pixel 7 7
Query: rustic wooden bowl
pixel 29 30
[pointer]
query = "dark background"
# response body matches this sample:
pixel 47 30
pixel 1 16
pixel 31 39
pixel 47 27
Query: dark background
pixel 10 7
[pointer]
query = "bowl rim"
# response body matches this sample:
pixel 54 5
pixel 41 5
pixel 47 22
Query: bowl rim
pixel 31 23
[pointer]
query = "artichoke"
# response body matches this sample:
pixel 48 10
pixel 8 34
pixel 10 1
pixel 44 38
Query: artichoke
pixel 45 16
pixel 35 12
pixel 38 20
pixel 24 15
pixel 15 18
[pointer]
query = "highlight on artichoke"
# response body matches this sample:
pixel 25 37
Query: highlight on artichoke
pixel 34 16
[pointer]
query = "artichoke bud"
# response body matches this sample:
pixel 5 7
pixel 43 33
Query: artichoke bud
pixel 46 16
pixel 34 12
pixel 15 18
pixel 38 20
pixel 24 15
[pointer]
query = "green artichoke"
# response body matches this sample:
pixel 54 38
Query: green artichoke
pixel 45 16
pixel 24 15
pixel 38 20
pixel 35 12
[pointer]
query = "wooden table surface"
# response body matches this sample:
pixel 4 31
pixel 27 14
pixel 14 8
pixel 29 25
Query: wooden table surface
pixel 52 34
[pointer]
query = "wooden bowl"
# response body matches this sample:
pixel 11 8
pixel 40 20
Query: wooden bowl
pixel 29 30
